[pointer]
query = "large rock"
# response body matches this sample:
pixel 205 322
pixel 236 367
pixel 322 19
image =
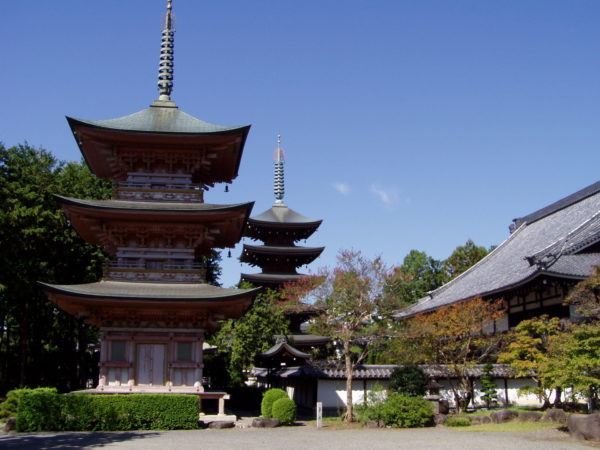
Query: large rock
pixel 584 426
pixel 10 425
pixel 529 416
pixel 478 420
pixel 373 424
pixel 439 419
pixel 555 415
pixel 263 422
pixel 220 424
pixel 504 415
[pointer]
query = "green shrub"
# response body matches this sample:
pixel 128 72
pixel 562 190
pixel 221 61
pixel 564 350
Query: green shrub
pixel 86 412
pixel 8 408
pixel 399 411
pixel 457 422
pixel 269 398
pixel 408 380
pixel 284 409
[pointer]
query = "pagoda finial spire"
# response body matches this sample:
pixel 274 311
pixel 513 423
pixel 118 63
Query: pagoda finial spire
pixel 165 68
pixel 278 184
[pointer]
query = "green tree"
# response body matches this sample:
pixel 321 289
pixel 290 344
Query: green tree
pixel 586 296
pixel 417 275
pixel 528 351
pixel 463 257
pixel 40 344
pixel 488 385
pixel 574 361
pixel 239 341
pixel 354 310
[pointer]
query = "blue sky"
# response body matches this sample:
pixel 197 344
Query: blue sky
pixel 406 124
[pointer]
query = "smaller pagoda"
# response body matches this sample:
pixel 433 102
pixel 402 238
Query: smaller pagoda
pixel 279 228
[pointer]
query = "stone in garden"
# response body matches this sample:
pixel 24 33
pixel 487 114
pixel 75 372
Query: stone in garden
pixel 555 415
pixel 504 415
pixel 220 424
pixel 373 424
pixel 478 420
pixel 529 416
pixel 584 426
pixel 10 425
pixel 439 419
pixel 263 422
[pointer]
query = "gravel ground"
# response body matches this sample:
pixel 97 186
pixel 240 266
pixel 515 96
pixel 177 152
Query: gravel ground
pixel 299 437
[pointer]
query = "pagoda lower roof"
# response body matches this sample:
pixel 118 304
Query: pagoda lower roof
pixel 115 303
pixel 272 279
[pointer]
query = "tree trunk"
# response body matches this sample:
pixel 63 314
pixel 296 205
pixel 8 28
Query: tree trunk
pixel 349 415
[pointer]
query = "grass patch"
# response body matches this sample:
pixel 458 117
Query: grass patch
pixel 488 412
pixel 510 426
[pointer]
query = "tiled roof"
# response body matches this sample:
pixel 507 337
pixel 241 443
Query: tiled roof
pixel 149 291
pixel 556 233
pixel 284 215
pixel 375 371
pixel 158 119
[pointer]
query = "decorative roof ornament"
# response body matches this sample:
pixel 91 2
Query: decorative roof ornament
pixel 165 68
pixel 278 183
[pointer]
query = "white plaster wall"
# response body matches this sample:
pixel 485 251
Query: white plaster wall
pixel 333 392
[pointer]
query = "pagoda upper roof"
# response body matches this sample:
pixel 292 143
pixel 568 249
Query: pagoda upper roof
pixel 161 117
pixel 281 214
pixel 271 279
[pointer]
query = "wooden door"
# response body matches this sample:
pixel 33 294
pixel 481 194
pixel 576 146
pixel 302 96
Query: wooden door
pixel 150 364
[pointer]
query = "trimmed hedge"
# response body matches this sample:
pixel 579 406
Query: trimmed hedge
pixel 457 422
pixel 284 409
pixel 47 411
pixel 269 397
pixel 399 411
pixel 8 408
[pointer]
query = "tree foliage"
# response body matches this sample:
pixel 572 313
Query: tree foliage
pixel 239 340
pixel 354 309
pixel 455 338
pixel 417 275
pixel 527 352
pixel 40 344
pixel 586 296
pixel 409 380
pixel 463 257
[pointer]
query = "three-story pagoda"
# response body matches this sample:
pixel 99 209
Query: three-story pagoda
pixel 153 305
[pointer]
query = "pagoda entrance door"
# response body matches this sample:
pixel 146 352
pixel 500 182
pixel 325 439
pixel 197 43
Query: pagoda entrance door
pixel 150 364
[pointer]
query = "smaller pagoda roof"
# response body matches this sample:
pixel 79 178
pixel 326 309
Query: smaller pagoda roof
pixel 281 214
pixel 282 347
pixel 272 278
pixel 283 251
pixel 161 117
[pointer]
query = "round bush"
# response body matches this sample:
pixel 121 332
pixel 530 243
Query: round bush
pixel 269 398
pixel 402 411
pixel 408 380
pixel 457 422
pixel 284 409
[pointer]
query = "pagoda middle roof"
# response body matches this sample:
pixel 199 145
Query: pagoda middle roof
pixel 159 119
pixel 283 250
pixel 126 205
pixel 281 214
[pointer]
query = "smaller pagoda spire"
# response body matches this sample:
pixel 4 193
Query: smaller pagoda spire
pixel 278 183
pixel 165 68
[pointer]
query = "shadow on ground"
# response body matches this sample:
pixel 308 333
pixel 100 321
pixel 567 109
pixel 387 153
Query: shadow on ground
pixel 68 440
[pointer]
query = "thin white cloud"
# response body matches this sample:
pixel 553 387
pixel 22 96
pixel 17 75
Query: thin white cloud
pixel 387 196
pixel 342 188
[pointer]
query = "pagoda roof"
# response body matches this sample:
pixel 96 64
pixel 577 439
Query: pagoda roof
pixel 271 279
pixel 283 251
pixel 142 207
pixel 137 302
pixel 161 117
pixel 280 214
pixel 150 292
